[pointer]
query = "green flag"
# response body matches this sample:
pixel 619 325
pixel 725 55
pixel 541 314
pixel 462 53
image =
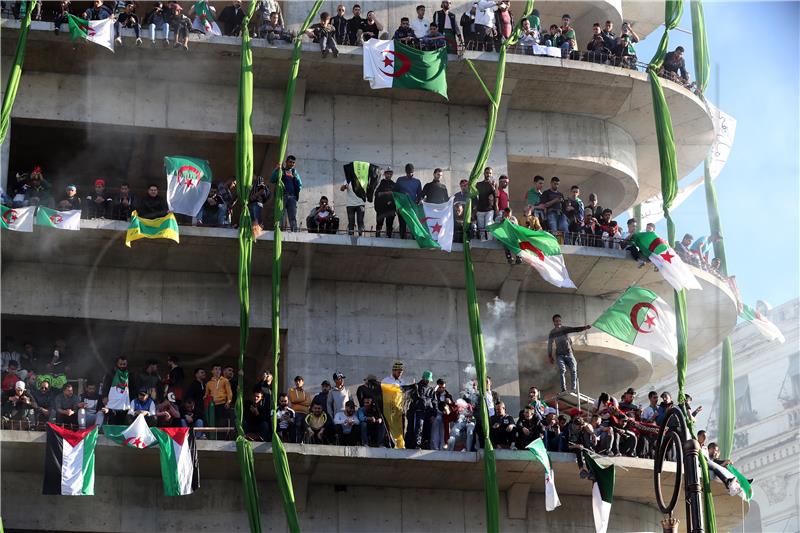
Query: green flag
pixel 747 490
pixel 393 65
pixel 414 215
pixel 539 451
pixel 669 264
pixel 602 492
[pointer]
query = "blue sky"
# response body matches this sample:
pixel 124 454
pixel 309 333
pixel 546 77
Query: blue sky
pixel 755 46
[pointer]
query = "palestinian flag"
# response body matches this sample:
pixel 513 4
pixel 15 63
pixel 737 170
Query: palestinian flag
pixel 762 323
pixel 666 260
pixel 156 228
pixel 97 31
pixel 188 183
pixel 393 65
pixel 363 177
pixel 639 317
pixel 137 435
pixel 602 492
pixel 430 224
pixel 69 461
pixel 539 451
pixel 70 220
pixel 539 249
pixel 119 397
pixel 179 466
pixel 17 218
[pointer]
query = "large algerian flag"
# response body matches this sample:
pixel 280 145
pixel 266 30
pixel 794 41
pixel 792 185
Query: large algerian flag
pixel 639 317
pixel 18 218
pixel 666 260
pixel 51 218
pixel 69 461
pixel 363 177
pixel 539 249
pixel 188 183
pixel 539 451
pixel 179 468
pixel 747 491
pixel 137 435
pixel 762 323
pixel 602 492
pixel 430 224
pixel 97 31
pixel 165 227
pixel 119 397
pixel 392 64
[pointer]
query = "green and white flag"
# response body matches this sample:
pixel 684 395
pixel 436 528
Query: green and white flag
pixel 747 491
pixel 188 183
pixel 137 435
pixel 642 319
pixel 179 468
pixel 674 270
pixel 539 451
pixel 119 397
pixel 602 492
pixel 430 224
pixel 539 249
pixel 769 330
pixel 392 65
pixel 97 31
pixel 18 218
pixel 69 220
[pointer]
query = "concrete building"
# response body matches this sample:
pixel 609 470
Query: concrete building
pixel 765 445
pixel 349 304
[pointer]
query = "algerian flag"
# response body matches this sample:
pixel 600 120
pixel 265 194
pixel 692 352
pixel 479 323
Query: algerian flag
pixel 51 218
pixel 539 249
pixel 137 435
pixel 639 317
pixel 97 31
pixel 69 461
pixel 430 224
pixel 188 183
pixel 747 491
pixel 666 260
pixel 539 451
pixel 18 218
pixel 152 228
pixel 762 323
pixel 363 178
pixel 602 492
pixel 725 131
pixel 392 64
pixel 119 397
pixel 179 467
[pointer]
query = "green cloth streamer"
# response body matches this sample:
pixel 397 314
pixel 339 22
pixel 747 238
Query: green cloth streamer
pixel 279 458
pixel 16 71
pixel 473 307
pixel 244 175
pixel 673 10
pixel 702 67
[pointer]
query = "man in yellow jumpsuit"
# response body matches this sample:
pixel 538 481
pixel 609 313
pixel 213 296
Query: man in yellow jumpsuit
pixel 393 403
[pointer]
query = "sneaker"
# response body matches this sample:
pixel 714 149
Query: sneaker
pixel 118 40
pixel 336 53
pixel 57 30
pixel 153 44
pixel 519 260
pixel 138 42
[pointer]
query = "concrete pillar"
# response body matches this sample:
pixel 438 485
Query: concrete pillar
pixel 517 496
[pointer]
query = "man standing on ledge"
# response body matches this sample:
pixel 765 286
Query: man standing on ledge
pixel 563 344
pixel 291 189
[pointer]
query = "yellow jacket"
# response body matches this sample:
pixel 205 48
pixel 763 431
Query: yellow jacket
pixel 219 389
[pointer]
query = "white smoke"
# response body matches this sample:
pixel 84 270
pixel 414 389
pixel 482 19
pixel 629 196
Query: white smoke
pixel 499 313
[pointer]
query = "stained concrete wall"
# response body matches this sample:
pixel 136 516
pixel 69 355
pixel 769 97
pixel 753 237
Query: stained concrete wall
pixel 135 504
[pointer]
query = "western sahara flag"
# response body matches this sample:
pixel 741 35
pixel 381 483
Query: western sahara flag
pixel 539 451
pixel 539 249
pixel 666 260
pixel 18 218
pixel 188 183
pixel 639 317
pixel 430 224
pixel 602 492
pixel 70 220
pixel 97 31
pixel 392 65
pixel 363 177
pixel 137 435
pixel 179 466
pixel 762 323
pixel 69 461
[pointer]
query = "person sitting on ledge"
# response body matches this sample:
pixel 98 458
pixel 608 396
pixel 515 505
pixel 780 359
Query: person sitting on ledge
pixel 316 422
pixel 347 425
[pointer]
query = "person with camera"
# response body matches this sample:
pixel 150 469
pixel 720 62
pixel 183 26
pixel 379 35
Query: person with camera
pixel 259 196
pixel 214 211
pixel 292 184
pixel 322 218
pixel 18 405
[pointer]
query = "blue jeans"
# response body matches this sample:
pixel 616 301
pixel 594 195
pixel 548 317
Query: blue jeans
pixel 557 221
pixel 164 29
pixel 290 208
pixel 567 361
pixel 197 423
pixel 378 430
pixel 255 212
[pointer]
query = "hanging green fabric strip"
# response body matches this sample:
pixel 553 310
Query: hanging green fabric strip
pixel 279 458
pixel 473 307
pixel 244 176
pixel 16 71
pixel 702 67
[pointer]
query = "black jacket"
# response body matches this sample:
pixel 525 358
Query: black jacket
pixel 438 19
pixel 150 207
pixel 420 397
pixel 384 200
pixel 435 192
pixel 231 19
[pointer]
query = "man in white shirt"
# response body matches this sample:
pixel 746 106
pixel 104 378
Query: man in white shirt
pixel 484 24
pixel 346 423
pixel 355 209
pixel 419 24
pixel 650 412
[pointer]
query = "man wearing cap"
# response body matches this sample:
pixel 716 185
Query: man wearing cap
pixel 70 201
pixel 19 405
pixel 143 404
pixel 371 388
pixel 338 396
pixel 300 401
pixel 384 204
pixel 563 350
pixel 99 204
pixel 420 413
pixel 392 389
